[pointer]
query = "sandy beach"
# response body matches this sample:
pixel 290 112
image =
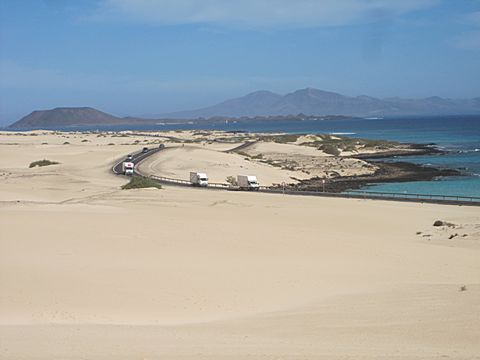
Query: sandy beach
pixel 90 271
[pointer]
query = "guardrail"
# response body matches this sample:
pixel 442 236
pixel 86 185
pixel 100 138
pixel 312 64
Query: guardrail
pixel 181 182
pixel 353 194
pixel 359 194
pixel 416 196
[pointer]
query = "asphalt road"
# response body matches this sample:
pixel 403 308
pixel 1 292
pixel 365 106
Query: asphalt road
pixel 136 158
pixel 139 156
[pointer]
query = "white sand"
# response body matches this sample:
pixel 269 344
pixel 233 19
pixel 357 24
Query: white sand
pixel 88 271
pixel 177 163
pixel 269 148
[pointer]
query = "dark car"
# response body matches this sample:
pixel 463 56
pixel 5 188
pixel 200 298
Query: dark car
pixel 129 157
pixel 161 146
pixel 144 150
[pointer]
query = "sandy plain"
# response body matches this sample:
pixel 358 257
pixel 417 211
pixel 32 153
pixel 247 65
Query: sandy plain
pixel 90 271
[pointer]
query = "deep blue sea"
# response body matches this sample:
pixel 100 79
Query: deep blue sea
pixel 459 135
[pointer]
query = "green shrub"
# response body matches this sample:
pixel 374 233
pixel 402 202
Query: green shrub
pixel 139 182
pixel 41 163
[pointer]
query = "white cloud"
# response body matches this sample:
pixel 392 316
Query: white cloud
pixel 255 13
pixel 468 40
pixel 473 18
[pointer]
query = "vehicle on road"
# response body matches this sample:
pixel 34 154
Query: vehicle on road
pixel 247 182
pixel 198 179
pixel 129 157
pixel 127 168
pixel 145 150
pixel 161 146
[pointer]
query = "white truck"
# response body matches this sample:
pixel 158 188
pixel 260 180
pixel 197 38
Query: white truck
pixel 198 179
pixel 247 182
pixel 127 167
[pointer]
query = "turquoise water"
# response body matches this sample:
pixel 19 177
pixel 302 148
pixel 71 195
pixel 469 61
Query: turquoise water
pixel 459 135
pixel 463 186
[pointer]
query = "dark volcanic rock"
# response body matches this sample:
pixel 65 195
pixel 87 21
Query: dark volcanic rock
pixel 388 172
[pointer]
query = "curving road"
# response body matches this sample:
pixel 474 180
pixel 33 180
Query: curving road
pixel 136 159
pixel 418 198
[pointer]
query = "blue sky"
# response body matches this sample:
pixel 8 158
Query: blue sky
pixel 136 57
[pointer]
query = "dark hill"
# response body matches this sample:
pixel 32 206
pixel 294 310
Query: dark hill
pixel 66 116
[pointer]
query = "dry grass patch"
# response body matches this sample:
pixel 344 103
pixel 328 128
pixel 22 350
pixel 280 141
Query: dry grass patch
pixel 138 182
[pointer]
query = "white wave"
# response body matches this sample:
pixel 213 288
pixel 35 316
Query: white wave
pixel 468 151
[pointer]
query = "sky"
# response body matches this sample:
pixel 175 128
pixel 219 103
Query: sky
pixel 144 57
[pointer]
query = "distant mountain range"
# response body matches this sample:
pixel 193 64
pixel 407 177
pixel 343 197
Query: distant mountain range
pixel 311 101
pixel 305 102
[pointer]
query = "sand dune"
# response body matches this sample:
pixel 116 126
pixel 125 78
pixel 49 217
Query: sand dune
pixel 91 271
pixel 179 161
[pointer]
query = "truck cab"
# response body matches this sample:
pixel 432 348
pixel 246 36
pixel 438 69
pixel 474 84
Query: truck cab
pixel 127 168
pixel 199 179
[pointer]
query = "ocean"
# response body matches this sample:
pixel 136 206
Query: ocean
pixel 458 135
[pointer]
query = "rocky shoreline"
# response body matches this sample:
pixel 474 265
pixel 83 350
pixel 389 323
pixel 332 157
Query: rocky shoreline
pixel 413 150
pixel 388 172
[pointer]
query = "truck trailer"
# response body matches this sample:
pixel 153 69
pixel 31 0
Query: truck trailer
pixel 247 182
pixel 198 179
pixel 127 167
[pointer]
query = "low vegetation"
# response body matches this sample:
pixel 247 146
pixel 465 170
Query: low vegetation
pixel 438 223
pixel 331 149
pixel 139 182
pixel 41 163
pixel 281 139
pixel 242 153
pixel 231 180
pixel 335 145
